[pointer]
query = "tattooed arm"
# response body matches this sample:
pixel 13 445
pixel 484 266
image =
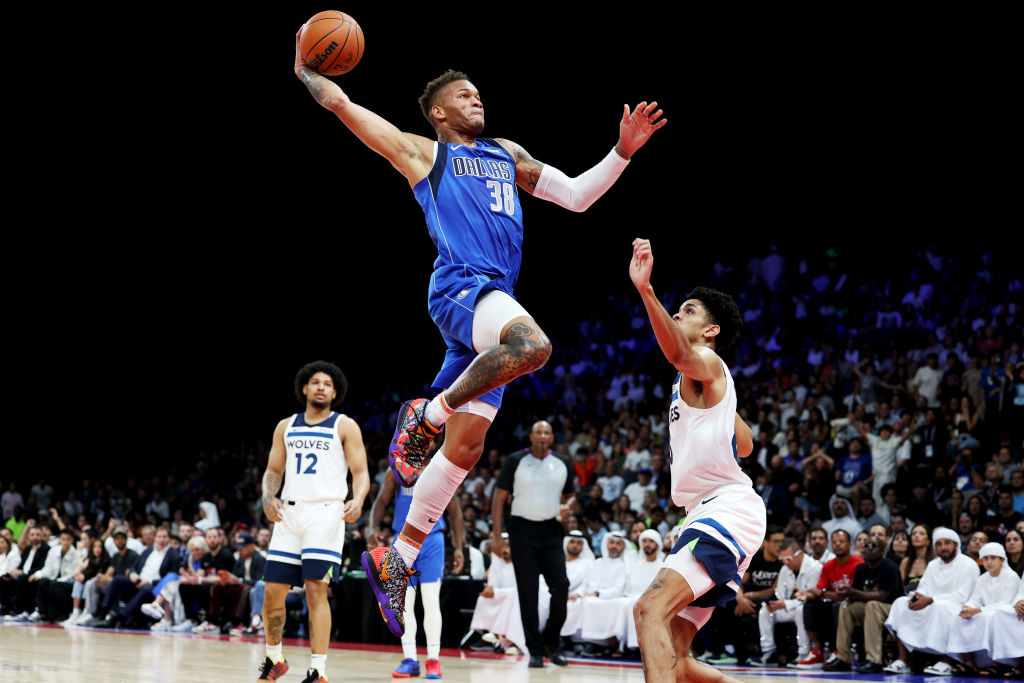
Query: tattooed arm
pixel 272 478
pixel 411 155
pixel 577 194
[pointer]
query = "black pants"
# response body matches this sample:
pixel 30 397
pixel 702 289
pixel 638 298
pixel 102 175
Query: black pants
pixel 53 599
pixel 821 616
pixel 18 595
pixel 537 549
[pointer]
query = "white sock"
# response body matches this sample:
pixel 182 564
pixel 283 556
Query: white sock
pixel 437 484
pixel 275 653
pixel 431 596
pixel 407 548
pixel 319 662
pixel 437 410
pixel 409 637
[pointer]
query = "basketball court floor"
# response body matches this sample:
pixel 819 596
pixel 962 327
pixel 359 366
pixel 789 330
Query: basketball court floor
pixel 51 654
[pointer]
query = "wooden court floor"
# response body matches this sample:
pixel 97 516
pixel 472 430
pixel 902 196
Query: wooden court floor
pixel 50 654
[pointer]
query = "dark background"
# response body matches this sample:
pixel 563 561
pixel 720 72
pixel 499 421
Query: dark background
pixel 222 229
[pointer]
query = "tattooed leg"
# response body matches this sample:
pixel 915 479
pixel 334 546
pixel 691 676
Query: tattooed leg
pixel 524 348
pixel 274 611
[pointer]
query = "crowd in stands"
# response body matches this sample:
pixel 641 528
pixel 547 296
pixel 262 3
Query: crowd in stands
pixel 886 398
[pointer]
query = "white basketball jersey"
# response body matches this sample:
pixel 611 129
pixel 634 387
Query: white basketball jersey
pixel 316 468
pixel 702 446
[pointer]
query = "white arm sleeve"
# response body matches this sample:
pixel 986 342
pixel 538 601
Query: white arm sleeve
pixel 577 194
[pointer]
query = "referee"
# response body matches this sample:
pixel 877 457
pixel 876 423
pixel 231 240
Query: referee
pixel 540 482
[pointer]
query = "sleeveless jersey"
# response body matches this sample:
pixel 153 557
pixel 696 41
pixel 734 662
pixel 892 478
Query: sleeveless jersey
pixel 315 468
pixel 403 499
pixel 471 205
pixel 702 445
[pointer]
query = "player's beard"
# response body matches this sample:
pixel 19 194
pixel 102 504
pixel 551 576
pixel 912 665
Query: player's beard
pixel 319 405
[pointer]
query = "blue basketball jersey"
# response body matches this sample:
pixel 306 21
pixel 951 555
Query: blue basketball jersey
pixel 403 499
pixel 471 205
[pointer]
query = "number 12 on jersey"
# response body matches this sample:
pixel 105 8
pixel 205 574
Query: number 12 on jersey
pixel 310 468
pixel 502 197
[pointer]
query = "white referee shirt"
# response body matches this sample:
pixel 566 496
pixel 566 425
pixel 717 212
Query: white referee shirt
pixel 537 484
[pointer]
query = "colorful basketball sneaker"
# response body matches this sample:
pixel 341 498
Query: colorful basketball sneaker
pixel 409 668
pixel 433 669
pixel 271 671
pixel 407 453
pixel 389 579
pixel 313 676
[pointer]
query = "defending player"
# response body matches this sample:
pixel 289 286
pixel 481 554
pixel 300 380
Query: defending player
pixel 428 570
pixel 725 521
pixel 467 186
pixel 317 448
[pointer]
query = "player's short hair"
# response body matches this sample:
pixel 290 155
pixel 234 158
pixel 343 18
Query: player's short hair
pixel 844 532
pixel 304 374
pixel 429 96
pixel 790 542
pixel 722 311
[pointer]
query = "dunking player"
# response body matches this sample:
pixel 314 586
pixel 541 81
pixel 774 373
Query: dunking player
pixel 318 448
pixel 466 185
pixel 428 570
pixel 725 521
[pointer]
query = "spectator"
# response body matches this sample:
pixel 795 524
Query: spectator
pixel 635 491
pixel 899 547
pixel 867 602
pixel 799 573
pixel 121 563
pixel 974 545
pixel 10 558
pixel 928 379
pixel 1006 516
pixel 56 581
pixel 923 619
pixel 607 580
pixel 496 613
pixel 817 545
pixel 1014 544
pixel 970 639
pixel 853 471
pixel 10 500
pixel 842 518
pixel 43 493
pixel 867 517
pixel 20 593
pixel 151 566
pixel 94 561
pixel 819 615
pixel 579 559
pixel 611 483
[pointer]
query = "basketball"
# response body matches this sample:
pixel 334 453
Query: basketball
pixel 378 555
pixel 331 42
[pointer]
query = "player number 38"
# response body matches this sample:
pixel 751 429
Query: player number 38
pixel 502 197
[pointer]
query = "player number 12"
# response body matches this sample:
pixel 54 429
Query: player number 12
pixel 310 468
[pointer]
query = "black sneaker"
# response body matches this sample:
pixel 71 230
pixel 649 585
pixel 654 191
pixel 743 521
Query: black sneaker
pixel 869 667
pixel 271 671
pixel 313 676
pixel 836 664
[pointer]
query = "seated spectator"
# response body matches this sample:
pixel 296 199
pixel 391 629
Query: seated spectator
pixel 1006 516
pixel 974 545
pixel 799 574
pixel 866 515
pixel 635 491
pixel 899 547
pixel 858 543
pixel 496 613
pixel 19 594
pixel 218 559
pixel 607 580
pixel 579 560
pixel 137 587
pixel 94 562
pixel 10 558
pixel 819 615
pixel 853 470
pixel 10 500
pixel 867 602
pixel 53 591
pixel 842 518
pixel 918 557
pixel 168 607
pixel 121 563
pixel 970 642
pixel 923 620
pixel 817 545
pixel 611 482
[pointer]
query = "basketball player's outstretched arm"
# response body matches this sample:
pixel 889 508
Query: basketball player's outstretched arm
pixel 274 475
pixel 698 363
pixel 355 456
pixel 577 194
pixel 411 155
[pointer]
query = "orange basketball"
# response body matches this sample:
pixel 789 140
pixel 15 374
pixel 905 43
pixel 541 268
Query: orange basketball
pixel 331 42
